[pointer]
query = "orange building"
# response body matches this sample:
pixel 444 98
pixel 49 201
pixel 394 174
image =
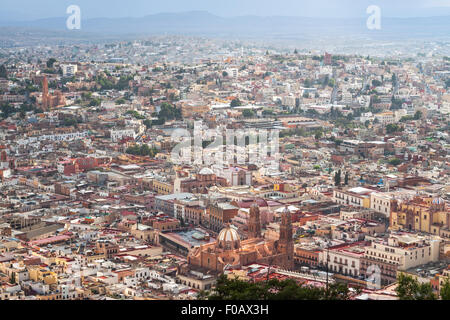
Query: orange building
pixel 230 251
pixel 430 215
pixel 51 101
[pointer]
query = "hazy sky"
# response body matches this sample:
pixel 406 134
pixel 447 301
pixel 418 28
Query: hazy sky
pixel 35 9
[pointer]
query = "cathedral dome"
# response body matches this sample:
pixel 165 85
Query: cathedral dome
pixel 438 201
pixel 228 239
pixel 206 171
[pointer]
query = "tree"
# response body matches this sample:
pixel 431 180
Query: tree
pixel 7 110
pixel 51 62
pixel 274 289
pixel 376 83
pixel 406 118
pixel 396 103
pixel 3 72
pixel 235 103
pixel 169 112
pixel 395 161
pixel 337 178
pixel 307 83
pixel 391 128
pixel 12 279
pixel 326 80
pixel 331 83
pixel 445 290
pixel 248 113
pixel 95 102
pixel 346 179
pixel 120 101
pixel 318 134
pixel 409 288
pixel 147 123
pixel 394 79
pixel 418 115
pixel 70 122
pixel 142 150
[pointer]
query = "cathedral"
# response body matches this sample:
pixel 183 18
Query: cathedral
pixel 51 101
pixel 421 214
pixel 230 252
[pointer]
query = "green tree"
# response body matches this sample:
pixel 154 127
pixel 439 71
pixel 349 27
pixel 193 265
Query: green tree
pixel 51 62
pixel 7 110
pixel 445 290
pixel 12 279
pixel 95 102
pixel 337 178
pixel 3 72
pixel 147 123
pixel 168 112
pixel 418 115
pixel 318 135
pixel 307 83
pixel 120 101
pixel 391 128
pixel 376 83
pixel 235 103
pixel 331 83
pixel 142 150
pixel 409 288
pixel 248 113
pixel 395 161
pixel 274 289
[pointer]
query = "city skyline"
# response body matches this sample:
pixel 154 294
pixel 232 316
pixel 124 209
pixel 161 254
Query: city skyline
pixel 257 151
pixel 15 10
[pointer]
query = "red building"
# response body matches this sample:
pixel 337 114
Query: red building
pixel 51 101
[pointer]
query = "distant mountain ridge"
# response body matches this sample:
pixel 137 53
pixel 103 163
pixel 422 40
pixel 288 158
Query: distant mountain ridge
pixel 203 23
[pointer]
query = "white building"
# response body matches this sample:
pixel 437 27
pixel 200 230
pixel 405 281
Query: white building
pixel 116 135
pixel 343 259
pixel 69 70
pixel 406 251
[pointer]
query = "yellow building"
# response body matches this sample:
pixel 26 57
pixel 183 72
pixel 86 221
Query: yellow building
pixel 41 275
pixel 357 197
pixel 162 187
pixel 428 215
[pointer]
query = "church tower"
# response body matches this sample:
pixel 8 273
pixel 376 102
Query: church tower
pixel 45 95
pixel 286 243
pixel 254 222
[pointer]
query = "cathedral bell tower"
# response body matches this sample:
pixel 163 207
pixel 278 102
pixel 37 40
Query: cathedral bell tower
pixel 286 243
pixel 254 222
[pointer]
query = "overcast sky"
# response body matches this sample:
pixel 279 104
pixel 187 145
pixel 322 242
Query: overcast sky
pixel 36 9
